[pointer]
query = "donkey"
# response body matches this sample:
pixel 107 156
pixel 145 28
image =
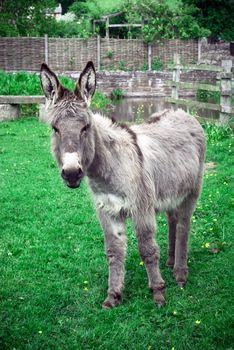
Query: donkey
pixel 133 171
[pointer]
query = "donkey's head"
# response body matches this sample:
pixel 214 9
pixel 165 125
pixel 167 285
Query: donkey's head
pixel 68 114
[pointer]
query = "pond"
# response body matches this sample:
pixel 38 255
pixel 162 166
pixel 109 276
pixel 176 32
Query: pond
pixel 132 109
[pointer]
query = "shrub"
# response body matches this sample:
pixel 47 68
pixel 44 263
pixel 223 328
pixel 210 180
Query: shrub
pixel 23 83
pixel 157 64
pixel 208 96
pixel 117 94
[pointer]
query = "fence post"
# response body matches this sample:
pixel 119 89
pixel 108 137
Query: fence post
pixel 107 27
pixel 149 57
pixel 199 50
pixel 98 52
pixel 176 77
pixel 226 92
pixel 46 49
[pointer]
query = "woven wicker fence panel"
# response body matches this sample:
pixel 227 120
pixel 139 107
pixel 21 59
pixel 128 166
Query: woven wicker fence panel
pixel 165 49
pixel 123 53
pixel 21 53
pixel 71 54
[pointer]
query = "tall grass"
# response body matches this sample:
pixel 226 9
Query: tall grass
pixel 23 83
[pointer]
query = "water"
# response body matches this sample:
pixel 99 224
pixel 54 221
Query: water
pixel 131 109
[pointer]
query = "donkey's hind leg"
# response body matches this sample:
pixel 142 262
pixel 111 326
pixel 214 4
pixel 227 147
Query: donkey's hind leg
pixel 185 212
pixel 115 246
pixel 172 218
pixel 149 252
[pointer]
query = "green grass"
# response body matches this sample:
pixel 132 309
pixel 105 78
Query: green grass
pixel 23 83
pixel 54 273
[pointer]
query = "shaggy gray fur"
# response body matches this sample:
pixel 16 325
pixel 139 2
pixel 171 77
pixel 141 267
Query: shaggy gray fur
pixel 133 172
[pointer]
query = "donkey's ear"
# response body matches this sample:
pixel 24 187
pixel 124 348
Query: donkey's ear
pixel 51 86
pixel 86 85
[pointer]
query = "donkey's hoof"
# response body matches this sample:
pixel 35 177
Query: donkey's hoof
pixel 160 305
pixel 181 284
pixel 113 300
pixel 158 295
pixel 159 299
pixel 181 275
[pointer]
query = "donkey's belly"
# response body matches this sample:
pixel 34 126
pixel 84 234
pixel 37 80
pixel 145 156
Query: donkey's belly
pixel 112 204
pixel 168 203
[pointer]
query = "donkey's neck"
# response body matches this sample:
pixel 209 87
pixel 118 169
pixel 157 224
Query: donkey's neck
pixel 114 148
pixel 109 140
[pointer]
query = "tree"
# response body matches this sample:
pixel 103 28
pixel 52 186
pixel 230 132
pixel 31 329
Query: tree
pixel 215 15
pixel 26 17
pixel 163 21
pixel 66 4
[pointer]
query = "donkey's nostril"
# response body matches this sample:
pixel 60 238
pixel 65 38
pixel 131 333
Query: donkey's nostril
pixel 80 172
pixel 63 174
pixel 72 176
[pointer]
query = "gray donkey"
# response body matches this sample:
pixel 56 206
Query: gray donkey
pixel 133 171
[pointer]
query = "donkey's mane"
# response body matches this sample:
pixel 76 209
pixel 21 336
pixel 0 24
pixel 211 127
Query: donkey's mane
pixel 156 117
pixel 134 138
pixel 120 132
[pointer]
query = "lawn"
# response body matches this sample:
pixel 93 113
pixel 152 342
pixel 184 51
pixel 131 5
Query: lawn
pixel 54 272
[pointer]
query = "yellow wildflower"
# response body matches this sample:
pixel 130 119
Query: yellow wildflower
pixel 197 322
pixel 141 263
pixel 207 245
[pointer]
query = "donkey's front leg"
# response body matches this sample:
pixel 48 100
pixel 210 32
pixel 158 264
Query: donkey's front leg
pixel 115 246
pixel 149 252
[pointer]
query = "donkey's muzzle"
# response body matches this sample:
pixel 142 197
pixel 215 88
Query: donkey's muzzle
pixel 72 177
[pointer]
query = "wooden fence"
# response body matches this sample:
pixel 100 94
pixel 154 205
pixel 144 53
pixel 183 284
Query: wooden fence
pixel 71 54
pixel 223 85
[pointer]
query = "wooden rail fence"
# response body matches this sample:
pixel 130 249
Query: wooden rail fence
pixel 223 85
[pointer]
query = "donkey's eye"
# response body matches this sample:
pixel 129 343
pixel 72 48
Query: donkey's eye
pixel 85 128
pixel 56 130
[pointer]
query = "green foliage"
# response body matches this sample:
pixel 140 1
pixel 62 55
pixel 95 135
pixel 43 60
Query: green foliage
pixel 54 272
pixel 216 16
pixel 157 64
pixel 216 133
pixel 117 94
pixel 78 28
pixel 27 84
pixel 109 53
pixel 86 9
pixel 20 83
pixel 100 101
pixel 23 83
pixel 164 21
pixel 66 4
pixel 122 65
pixel 144 67
pixel 25 18
pixel 94 8
pixel 208 96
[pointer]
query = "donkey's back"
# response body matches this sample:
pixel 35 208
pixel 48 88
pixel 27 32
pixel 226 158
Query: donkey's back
pixel 173 146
